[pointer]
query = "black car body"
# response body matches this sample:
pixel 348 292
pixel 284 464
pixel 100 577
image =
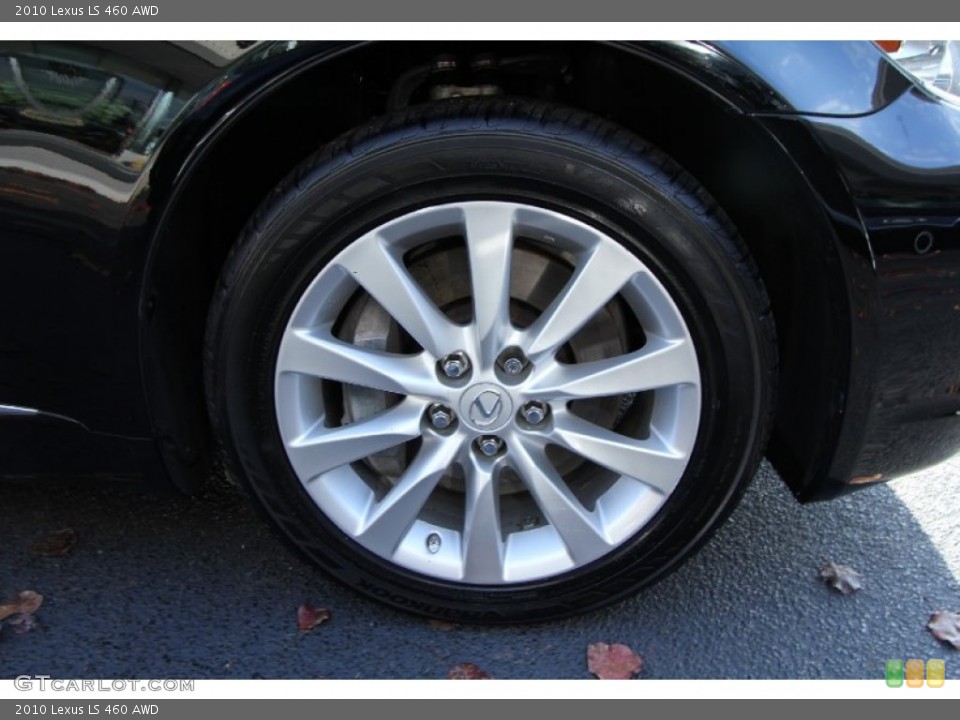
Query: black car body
pixel 128 169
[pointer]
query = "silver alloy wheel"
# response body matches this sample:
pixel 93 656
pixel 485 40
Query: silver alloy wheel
pixel 354 413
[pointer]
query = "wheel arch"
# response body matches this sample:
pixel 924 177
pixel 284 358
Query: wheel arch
pixel 206 181
pixel 770 175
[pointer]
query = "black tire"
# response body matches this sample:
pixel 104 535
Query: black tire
pixel 545 156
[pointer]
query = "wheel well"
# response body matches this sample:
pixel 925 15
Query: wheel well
pixel 730 153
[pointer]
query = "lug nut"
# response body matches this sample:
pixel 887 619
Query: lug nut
pixel 534 412
pixel 513 366
pixel 455 365
pixel 512 361
pixel 490 445
pixel 440 416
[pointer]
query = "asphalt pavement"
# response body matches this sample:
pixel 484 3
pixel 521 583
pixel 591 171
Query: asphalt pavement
pixel 198 587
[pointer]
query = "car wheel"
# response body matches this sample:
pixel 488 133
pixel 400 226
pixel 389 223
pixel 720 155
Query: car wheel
pixel 492 361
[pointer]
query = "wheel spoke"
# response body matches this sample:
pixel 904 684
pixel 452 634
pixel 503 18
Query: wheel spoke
pixel 651 461
pixel 388 521
pixel 319 354
pixel 600 275
pixel 482 545
pixel 382 274
pixel 580 530
pixel 489 233
pixel 322 449
pixel 659 363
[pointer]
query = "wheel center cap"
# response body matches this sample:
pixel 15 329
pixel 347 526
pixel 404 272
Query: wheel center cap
pixel 486 407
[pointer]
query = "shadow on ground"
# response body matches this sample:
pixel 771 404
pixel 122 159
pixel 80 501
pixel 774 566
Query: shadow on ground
pixel 198 587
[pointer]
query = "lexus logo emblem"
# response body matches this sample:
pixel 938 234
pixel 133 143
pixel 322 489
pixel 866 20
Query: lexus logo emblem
pixel 485 409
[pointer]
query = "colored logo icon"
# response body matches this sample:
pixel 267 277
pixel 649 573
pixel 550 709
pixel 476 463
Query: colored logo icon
pixel 914 673
pixel 894 673
pixel 936 672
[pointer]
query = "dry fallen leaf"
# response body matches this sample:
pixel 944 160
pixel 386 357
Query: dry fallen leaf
pixel 23 623
pixel 613 662
pixel 842 578
pixel 441 625
pixel 945 626
pixel 26 602
pixel 56 544
pixel 309 617
pixel 467 671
